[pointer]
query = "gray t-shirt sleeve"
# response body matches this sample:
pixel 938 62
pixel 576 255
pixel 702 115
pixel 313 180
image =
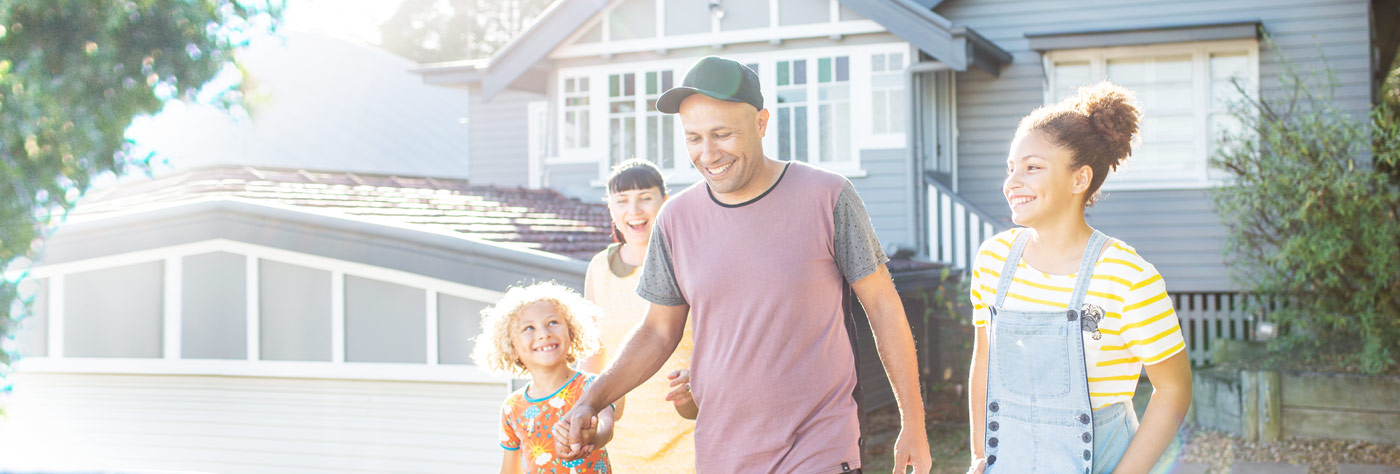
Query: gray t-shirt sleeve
pixel 658 283
pixel 858 252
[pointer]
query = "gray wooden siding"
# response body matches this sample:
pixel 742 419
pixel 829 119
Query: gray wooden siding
pixel 499 138
pixel 239 425
pixel 885 191
pixel 1177 230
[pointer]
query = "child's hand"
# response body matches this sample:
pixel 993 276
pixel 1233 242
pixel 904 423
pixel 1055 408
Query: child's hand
pixel 569 447
pixel 680 394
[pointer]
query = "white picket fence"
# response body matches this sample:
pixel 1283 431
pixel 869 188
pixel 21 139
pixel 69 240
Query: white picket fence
pixel 1209 317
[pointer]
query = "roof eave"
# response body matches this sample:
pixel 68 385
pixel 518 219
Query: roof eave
pixel 957 46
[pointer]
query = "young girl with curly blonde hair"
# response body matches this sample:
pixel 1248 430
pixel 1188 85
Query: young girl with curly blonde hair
pixel 540 331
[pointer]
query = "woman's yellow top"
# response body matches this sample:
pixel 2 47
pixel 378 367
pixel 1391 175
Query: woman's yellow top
pixel 651 437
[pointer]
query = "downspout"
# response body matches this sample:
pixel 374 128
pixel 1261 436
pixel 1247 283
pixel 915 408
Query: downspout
pixel 913 151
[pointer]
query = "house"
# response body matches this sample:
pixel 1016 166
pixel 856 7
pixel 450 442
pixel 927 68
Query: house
pixel 916 101
pixel 297 295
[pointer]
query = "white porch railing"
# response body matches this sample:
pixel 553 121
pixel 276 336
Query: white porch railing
pixel 956 227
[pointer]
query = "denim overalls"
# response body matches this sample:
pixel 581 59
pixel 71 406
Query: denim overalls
pixel 1038 415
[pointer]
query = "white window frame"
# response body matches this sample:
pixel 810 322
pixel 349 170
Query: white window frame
pixel 1200 75
pixel 894 137
pixel 172 364
pixel 683 172
pixel 565 109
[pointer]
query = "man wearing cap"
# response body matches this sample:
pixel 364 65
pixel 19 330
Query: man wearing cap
pixel 759 253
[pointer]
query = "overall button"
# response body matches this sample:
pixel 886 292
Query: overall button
pixel 993 426
pixel 995 407
pixel 1071 315
pixel 991 459
pixel 1082 418
pixel 1087 454
pixel 992 442
pixel 1086 437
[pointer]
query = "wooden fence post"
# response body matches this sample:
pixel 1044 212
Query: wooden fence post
pixel 1249 405
pixel 1270 406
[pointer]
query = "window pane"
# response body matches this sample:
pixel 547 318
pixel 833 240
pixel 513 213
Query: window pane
pixel 384 322
pixel 842 132
pixel 826 134
pixel 784 133
pixel 115 312
pixel 630 84
pixel 666 80
pixel 614 89
pixel 878 113
pixel 783 71
pixel 668 142
pixel 295 312
pixel 459 322
pixel 799 133
pixel 877 63
pixel 1069 76
pixel 843 68
pixel 214 300
pixel 569 85
pixel 897 107
pixel 823 70
pixel 583 84
pixel 583 129
pixel 32 336
pixel 799 71
pixel 1226 69
pixel 896 61
pixel 651 83
pixel 654 139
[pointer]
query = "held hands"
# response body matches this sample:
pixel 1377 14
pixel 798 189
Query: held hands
pixel 574 433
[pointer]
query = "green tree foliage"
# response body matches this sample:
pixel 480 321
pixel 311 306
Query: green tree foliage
pixel 1312 219
pixel 452 30
pixel 73 76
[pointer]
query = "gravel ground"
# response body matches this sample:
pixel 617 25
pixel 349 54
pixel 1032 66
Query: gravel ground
pixel 1220 450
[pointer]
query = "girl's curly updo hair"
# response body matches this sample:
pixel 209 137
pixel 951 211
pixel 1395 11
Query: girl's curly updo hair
pixel 1098 125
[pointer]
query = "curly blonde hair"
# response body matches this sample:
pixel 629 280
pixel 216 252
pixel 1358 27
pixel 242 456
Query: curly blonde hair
pixel 494 351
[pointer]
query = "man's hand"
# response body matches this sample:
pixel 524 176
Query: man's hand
pixel 911 449
pixel 681 395
pixel 573 434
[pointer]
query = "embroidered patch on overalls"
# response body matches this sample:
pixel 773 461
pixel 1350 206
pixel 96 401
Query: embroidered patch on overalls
pixel 1089 318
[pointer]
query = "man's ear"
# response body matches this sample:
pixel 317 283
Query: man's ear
pixel 762 123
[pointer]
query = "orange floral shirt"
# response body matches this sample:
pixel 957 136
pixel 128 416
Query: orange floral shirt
pixel 527 426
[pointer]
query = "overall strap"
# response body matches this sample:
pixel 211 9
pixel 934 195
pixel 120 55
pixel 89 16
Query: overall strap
pixel 1013 258
pixel 1086 268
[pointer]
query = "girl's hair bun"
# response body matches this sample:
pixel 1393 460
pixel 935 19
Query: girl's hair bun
pixel 1113 114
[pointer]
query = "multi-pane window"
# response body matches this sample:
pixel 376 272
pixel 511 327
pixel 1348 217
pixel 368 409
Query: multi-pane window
pixel 661 128
pixel 575 113
pixel 1185 92
pixel 814 109
pixel 622 117
pixel 887 103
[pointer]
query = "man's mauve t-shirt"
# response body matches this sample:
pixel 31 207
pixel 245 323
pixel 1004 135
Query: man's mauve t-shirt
pixel 772 369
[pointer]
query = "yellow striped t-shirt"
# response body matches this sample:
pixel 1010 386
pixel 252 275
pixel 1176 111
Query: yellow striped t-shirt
pixel 1139 325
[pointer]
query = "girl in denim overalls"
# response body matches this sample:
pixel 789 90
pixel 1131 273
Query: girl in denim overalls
pixel 1067 317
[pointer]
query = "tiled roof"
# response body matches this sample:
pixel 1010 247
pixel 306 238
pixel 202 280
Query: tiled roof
pixel 540 219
